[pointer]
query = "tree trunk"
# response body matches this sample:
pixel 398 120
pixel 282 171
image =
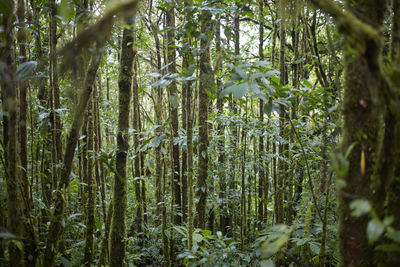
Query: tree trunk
pixel 91 200
pixel 206 83
pixel 281 163
pixel 29 231
pixel 10 107
pixel 262 179
pixel 118 226
pixel 55 227
pixel 173 100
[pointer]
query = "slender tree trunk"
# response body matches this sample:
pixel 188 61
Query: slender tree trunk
pixel 282 165
pixel 173 95
pixel 243 213
pixel 206 83
pixel 118 226
pixel 104 250
pixel 185 89
pixel 189 145
pixel 262 179
pixel 29 231
pixel 138 224
pixel 223 209
pixel 55 89
pixel 91 200
pixel 167 260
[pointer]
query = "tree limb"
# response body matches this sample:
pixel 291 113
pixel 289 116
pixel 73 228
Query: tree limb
pixel 347 22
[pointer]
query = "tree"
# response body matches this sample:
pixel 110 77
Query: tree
pixel 9 100
pixel 368 90
pixel 118 227
pixel 206 83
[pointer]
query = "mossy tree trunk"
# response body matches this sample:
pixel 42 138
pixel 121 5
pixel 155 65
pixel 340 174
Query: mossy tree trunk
pixel 91 200
pixel 223 209
pixel 118 225
pixel 368 94
pixel 138 223
pixel 262 178
pixel 174 104
pixel 206 83
pixel 189 145
pixel 30 249
pixel 279 210
pixel 10 108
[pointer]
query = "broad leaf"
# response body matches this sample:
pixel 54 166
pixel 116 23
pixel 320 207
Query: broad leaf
pixel 375 229
pixel 25 69
pixel 241 72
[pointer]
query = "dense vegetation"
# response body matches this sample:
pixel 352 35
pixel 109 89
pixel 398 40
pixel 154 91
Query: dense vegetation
pixel 200 133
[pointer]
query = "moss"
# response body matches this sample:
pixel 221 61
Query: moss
pixel 118 226
pixel 206 85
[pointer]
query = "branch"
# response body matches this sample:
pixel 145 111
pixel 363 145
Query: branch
pixel 256 22
pixel 96 33
pixel 347 22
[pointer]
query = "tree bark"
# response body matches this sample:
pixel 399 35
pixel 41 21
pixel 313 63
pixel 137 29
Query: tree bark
pixel 10 108
pixel 173 95
pixel 206 83
pixel 118 226
pixel 91 201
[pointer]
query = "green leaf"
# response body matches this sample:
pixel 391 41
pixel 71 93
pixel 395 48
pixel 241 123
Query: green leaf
pixel 154 127
pixel 262 63
pixel 65 11
pixel 18 244
pixel 189 78
pixel 271 73
pixel 65 262
pixel 257 75
pixel 241 90
pixel 6 235
pixel 375 229
pixel 25 69
pixel 173 100
pixel 219 234
pixel 360 207
pixel 268 108
pixel 197 237
pixel 154 75
pixel 241 72
pixel 394 235
pixel 206 233
pixel 277 239
pixel 238 90
pixel 203 37
pixel 162 83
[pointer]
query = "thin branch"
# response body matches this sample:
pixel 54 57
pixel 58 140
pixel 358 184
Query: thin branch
pixel 256 22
